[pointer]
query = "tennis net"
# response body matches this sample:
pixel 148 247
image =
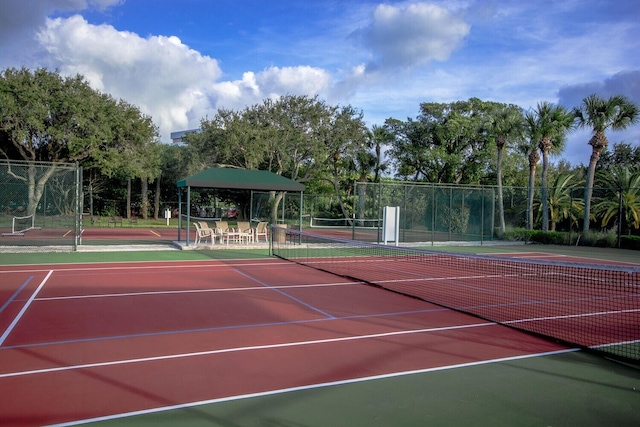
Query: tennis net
pixel 586 305
pixel 343 223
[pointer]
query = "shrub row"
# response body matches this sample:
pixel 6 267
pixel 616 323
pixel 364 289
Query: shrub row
pixel 604 240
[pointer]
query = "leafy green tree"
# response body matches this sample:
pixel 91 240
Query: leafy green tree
pixel 410 150
pixel 448 143
pixel 599 114
pixel 175 161
pixel 139 152
pixel 622 155
pixel 45 117
pixel 299 137
pixel 346 141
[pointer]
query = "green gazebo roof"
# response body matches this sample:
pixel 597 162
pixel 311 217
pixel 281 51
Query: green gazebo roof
pixel 242 179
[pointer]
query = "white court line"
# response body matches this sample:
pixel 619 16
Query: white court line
pixel 239 349
pixel 195 291
pixel 309 387
pixel 527 255
pixel 148 265
pixel 572 316
pixel 26 306
pixel 612 344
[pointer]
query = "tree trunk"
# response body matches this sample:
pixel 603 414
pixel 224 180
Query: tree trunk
pixel 274 200
pixel 544 197
pixel 362 193
pixel 128 214
pixel 503 226
pixel 545 146
pixel 35 187
pixel 144 198
pixel 533 161
pixel 598 142
pixel 335 181
pixel 156 200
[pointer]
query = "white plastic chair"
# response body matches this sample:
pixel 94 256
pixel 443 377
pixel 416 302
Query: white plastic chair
pixel 201 233
pixel 214 231
pixel 261 230
pixel 245 232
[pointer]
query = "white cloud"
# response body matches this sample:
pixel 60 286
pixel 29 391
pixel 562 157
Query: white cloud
pixel 272 82
pixel 294 80
pixel 159 74
pixel 411 35
pixel 174 84
pixel 20 20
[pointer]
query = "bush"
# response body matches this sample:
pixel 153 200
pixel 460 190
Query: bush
pixel 595 239
pixel 599 239
pixel 537 236
pixel 630 242
pixel 549 238
pixel 516 235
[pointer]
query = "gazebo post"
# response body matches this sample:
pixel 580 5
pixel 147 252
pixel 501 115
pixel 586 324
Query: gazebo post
pixel 188 212
pixel 179 212
pixel 251 207
pixel 300 218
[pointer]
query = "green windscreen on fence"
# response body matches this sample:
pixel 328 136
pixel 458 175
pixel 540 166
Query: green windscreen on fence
pixel 588 305
pixel 428 212
pixel 39 204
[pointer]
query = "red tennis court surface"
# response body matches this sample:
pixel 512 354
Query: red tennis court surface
pixel 102 340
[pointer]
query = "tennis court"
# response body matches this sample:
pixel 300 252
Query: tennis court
pixel 269 342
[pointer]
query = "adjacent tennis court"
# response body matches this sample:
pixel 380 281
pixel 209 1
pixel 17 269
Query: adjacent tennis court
pixel 269 342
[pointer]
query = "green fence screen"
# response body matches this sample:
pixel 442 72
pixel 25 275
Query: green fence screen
pixel 40 204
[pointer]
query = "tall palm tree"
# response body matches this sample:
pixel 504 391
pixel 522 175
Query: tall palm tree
pixel 380 137
pixel 530 148
pixel 552 122
pixel 507 124
pixel 599 114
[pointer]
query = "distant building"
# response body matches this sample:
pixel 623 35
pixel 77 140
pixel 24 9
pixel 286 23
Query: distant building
pixel 178 137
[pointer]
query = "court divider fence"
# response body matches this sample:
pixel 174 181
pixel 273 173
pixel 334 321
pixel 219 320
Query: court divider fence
pixel 46 201
pixel 40 204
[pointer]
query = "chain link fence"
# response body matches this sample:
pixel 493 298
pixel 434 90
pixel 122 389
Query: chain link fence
pixel 428 212
pixel 40 204
pixel 450 213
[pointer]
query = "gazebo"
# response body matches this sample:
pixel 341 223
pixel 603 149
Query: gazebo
pixel 234 179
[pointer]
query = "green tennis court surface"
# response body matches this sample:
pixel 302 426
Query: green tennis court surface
pixel 573 389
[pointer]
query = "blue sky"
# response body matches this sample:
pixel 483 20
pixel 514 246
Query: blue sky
pixel 180 61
